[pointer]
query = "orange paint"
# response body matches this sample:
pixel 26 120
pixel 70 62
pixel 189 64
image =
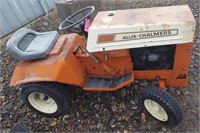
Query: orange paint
pixel 161 84
pixel 106 38
pixel 59 45
pixel 176 82
pixel 182 59
pixel 68 64
pixel 56 67
pixel 119 61
pixel 181 62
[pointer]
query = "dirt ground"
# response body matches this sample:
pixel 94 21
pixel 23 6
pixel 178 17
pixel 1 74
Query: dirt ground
pixel 102 111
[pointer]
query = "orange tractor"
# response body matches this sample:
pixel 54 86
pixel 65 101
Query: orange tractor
pixel 121 45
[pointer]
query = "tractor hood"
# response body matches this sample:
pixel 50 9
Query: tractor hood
pixel 133 28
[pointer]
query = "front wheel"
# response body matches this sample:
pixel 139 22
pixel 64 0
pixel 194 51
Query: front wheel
pixel 47 98
pixel 161 105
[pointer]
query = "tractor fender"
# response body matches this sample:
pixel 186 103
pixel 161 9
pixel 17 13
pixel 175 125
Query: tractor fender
pixel 63 67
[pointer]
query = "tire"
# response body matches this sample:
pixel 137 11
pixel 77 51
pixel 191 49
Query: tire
pixel 47 98
pixel 161 105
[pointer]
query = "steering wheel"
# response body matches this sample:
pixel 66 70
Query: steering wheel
pixel 90 10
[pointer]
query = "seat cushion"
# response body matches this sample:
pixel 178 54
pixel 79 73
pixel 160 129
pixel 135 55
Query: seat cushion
pixel 27 44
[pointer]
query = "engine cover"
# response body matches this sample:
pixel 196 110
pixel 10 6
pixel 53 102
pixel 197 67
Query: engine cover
pixel 145 27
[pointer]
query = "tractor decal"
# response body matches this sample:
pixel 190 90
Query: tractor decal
pixel 136 35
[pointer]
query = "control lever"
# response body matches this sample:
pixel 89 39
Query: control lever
pixel 90 54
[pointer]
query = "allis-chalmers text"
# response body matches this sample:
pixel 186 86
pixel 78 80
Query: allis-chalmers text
pixel 145 34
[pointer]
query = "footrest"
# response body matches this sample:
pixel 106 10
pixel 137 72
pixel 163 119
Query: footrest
pixel 106 83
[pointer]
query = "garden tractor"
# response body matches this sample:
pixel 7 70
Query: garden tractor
pixel 153 44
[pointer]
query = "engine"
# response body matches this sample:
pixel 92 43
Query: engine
pixel 153 58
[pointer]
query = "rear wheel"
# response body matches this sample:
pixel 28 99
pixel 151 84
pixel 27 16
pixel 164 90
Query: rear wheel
pixel 48 99
pixel 161 106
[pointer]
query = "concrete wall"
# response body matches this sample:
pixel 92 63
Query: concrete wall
pixel 16 13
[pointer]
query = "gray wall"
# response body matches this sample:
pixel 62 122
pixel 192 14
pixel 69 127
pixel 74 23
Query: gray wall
pixel 16 13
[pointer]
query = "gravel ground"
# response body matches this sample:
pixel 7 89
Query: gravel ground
pixel 102 111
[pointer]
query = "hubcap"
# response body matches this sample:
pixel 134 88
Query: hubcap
pixel 42 102
pixel 156 110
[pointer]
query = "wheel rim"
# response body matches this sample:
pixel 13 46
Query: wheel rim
pixel 155 110
pixel 42 102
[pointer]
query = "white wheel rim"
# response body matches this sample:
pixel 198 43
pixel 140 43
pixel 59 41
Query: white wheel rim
pixel 42 102
pixel 155 110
